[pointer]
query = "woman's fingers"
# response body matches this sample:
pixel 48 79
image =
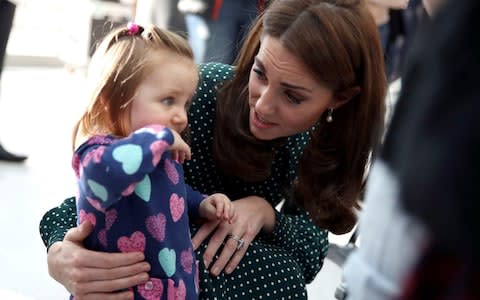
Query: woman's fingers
pixel 105 274
pixel 203 232
pixel 89 274
pixel 108 272
pixel 84 280
pixel 239 253
pixel 111 285
pixel 216 241
pixel 127 295
pixel 229 249
pixel 79 233
pixel 103 260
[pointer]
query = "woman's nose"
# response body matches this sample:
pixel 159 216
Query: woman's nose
pixel 265 103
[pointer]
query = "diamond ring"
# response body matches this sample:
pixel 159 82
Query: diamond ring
pixel 240 241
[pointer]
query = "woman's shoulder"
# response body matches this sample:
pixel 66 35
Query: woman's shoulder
pixel 216 72
pixel 298 141
pixel 296 144
pixel 212 76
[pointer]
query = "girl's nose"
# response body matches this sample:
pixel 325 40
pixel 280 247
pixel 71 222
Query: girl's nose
pixel 180 118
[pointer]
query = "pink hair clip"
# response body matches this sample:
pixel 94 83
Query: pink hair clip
pixel 134 28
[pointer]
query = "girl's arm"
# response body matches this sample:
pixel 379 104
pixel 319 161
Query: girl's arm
pixel 109 171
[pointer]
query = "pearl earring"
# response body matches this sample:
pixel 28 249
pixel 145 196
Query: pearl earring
pixel 329 115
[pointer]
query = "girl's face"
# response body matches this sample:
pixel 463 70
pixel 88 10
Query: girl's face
pixel 284 98
pixel 164 96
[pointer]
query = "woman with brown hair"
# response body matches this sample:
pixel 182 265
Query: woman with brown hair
pixel 296 120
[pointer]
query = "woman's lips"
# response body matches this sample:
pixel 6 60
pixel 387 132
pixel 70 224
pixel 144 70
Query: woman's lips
pixel 260 122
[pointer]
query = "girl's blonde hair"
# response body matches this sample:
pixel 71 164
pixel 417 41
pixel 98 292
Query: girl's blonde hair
pixel 121 62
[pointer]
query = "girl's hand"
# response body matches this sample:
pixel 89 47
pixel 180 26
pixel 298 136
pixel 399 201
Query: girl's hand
pixel 217 206
pixel 252 214
pixel 180 149
pixel 94 275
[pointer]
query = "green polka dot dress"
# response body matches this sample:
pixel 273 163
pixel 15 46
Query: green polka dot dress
pixel 277 265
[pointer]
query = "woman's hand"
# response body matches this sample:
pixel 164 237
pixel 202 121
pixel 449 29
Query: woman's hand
pixel 252 214
pixel 94 275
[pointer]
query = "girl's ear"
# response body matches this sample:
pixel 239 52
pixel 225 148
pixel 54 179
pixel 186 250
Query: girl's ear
pixel 346 95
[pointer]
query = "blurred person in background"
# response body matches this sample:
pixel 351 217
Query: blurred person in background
pixel 217 28
pixel 7 13
pixel 380 11
pixel 388 29
pixel 422 194
pixel 162 13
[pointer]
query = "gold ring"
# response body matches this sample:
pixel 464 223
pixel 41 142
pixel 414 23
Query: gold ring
pixel 240 241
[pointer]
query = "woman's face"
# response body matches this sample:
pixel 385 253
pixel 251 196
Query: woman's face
pixel 284 98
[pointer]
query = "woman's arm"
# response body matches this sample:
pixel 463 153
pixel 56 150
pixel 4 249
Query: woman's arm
pixel 295 232
pixel 57 221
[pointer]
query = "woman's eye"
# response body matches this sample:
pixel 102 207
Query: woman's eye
pixel 259 73
pixel 293 98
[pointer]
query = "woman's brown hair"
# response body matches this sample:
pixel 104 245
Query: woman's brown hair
pixel 338 42
pixel 120 63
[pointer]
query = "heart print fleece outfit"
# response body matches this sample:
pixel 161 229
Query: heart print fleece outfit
pixel 136 197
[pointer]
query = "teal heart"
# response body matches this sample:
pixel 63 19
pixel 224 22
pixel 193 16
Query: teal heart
pixel 166 257
pixel 130 156
pixel 98 190
pixel 143 189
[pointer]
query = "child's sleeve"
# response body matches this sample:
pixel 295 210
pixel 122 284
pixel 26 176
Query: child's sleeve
pixel 194 198
pixel 109 170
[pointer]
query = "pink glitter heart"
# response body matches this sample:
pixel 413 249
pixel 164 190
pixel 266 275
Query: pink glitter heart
pixel 83 216
pixel 152 289
pixel 102 237
pixel 177 207
pixel 136 242
pixel 158 148
pixel 176 293
pixel 171 171
pixel 156 226
pixel 76 165
pixel 110 217
pixel 186 259
pixel 96 155
pixel 96 204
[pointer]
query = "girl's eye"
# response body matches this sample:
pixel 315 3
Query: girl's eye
pixel 167 101
pixel 259 73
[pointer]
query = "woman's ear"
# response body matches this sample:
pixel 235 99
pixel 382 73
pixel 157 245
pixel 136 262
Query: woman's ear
pixel 345 95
